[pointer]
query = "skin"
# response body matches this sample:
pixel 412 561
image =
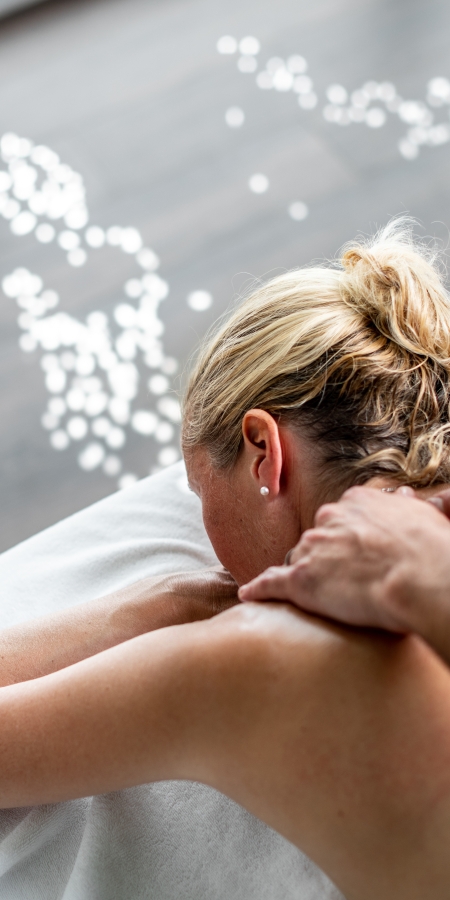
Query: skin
pixel 372 559
pixel 50 643
pixel 337 737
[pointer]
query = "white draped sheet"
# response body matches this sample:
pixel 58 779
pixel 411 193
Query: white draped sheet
pixel 162 841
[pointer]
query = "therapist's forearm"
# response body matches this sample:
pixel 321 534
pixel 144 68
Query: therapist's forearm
pixel 45 645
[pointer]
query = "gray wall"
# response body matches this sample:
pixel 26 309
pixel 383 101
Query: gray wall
pixel 132 94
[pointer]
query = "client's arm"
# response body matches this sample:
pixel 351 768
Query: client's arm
pixel 50 643
pixel 373 559
pixel 338 740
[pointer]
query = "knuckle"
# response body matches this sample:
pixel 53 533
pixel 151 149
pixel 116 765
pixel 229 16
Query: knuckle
pixel 325 513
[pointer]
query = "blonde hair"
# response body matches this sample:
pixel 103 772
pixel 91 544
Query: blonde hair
pixel 356 352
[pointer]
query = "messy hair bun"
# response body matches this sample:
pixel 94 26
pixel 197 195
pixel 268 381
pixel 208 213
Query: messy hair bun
pixel 394 282
pixel 358 353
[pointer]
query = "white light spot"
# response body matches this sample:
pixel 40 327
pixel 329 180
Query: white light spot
pixel 59 440
pixel 127 481
pixel 76 399
pixel 439 134
pixel 68 360
pixel 5 181
pixel 115 438
pixel 10 144
pixel 91 457
pixel 112 466
pixel 44 157
pixel 68 240
pixel 407 149
pixel 25 321
pixel 77 428
pixel 91 385
pixel 298 211
pixel 56 406
pixel 95 237
pixel 297 64
pixel 357 114
pixel 227 45
pixel 170 408
pixel 199 300
pixel 336 93
pixel 85 364
pixel 249 46
pixel 45 233
pixel 126 344
pixel 144 422
pixel 101 426
pixel 23 223
pixel 154 357
pixel 125 315
pixel 77 217
pixel 275 62
pixel 156 286
pixel 130 240
pixel 308 101
pixel 114 236
pixel 169 365
pixel 11 285
pixel 97 320
pixel 133 288
pixel 49 361
pixel 331 113
pixel 386 92
pixel 119 410
pixel 55 381
pixel 77 257
pixel 303 84
pixel 247 64
pixel 147 259
pixel 49 422
pixel 164 433
pixel 158 384
pixel 264 80
pixel 283 80
pixel 96 403
pixel 361 99
pixel 10 209
pixel 234 117
pixel 107 360
pixel 439 87
pixel 375 117
pixel 50 298
pixel 27 343
pixel 168 456
pixel 258 183
pixel 413 113
pixel 371 88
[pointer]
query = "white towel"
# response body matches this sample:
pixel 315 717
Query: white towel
pixel 165 841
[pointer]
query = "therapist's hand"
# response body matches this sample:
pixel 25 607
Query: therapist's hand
pixel 373 559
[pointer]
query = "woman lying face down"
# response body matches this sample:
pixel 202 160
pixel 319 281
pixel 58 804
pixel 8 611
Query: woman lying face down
pixel 337 737
pixel 322 379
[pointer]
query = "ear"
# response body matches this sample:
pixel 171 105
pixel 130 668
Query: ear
pixel 263 448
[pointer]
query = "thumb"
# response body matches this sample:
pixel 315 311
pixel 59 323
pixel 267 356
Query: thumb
pixel 442 502
pixel 273 584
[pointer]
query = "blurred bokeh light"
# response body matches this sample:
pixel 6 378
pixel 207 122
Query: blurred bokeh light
pixel 156 159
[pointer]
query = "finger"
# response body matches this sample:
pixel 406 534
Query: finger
pixel 406 491
pixel 442 502
pixel 273 584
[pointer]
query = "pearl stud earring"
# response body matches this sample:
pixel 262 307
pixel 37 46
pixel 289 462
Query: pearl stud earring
pixel 264 490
